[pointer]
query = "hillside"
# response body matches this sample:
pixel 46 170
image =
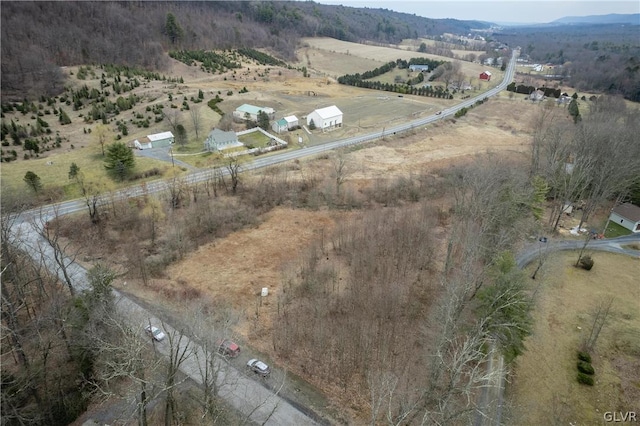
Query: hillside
pixel 138 33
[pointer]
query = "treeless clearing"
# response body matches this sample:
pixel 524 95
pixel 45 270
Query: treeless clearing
pixel 544 389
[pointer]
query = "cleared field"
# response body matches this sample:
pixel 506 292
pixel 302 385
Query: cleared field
pixel 544 389
pixel 327 55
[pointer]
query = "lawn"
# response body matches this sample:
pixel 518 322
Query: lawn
pixel 614 230
pixel 543 389
pixel 254 140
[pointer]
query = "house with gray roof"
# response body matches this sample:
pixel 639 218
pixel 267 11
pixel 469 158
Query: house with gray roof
pixel 626 215
pixel 219 140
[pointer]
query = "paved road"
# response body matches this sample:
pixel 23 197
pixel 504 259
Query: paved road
pixel 248 396
pixel 242 392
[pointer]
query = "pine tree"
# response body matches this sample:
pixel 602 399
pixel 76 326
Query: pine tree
pixel 33 181
pixel 63 117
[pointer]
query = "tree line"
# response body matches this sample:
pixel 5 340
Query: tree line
pixel 594 58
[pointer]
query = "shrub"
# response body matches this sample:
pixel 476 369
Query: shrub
pixel 585 367
pixel 583 356
pixel 585 379
pixel 586 263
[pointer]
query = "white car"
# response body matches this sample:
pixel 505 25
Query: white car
pixel 259 367
pixel 157 334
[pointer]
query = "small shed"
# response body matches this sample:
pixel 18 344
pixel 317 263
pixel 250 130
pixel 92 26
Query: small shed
pixel 219 140
pixel 485 75
pixel 161 140
pixel 285 124
pixel 626 215
pixel 142 143
pixel 326 118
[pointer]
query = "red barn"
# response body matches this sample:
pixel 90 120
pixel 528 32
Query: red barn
pixel 486 75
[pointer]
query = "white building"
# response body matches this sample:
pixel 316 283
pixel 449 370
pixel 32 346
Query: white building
pixel 157 140
pixel 326 118
pixel 626 215
pixel 285 124
pixel 250 112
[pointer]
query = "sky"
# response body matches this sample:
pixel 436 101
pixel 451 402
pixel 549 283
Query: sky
pixel 511 11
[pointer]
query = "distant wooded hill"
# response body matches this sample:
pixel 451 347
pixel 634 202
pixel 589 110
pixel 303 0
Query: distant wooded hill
pixel 600 58
pixel 613 18
pixel 38 37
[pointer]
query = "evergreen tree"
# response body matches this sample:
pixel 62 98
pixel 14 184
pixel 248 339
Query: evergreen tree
pixel 172 29
pixel 63 117
pixel 574 111
pixel 73 171
pixel 263 120
pixel 119 159
pixel 33 181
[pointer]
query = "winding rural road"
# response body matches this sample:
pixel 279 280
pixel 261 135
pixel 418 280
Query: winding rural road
pixel 248 396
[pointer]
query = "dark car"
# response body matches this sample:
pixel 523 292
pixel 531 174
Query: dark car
pixel 228 348
pixel 259 367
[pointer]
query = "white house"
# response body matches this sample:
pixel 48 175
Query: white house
pixel 250 112
pixel 421 68
pixel 157 140
pixel 536 95
pixel 626 215
pixel 219 140
pixel 326 118
pixel 285 124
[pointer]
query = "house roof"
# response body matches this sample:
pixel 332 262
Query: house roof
pixel 281 122
pixel 252 109
pixel 328 112
pixel 290 119
pixel 160 136
pixel 486 73
pixel 220 136
pixel 628 211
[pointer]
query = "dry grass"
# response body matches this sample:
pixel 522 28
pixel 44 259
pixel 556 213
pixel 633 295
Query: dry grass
pixel 328 55
pixel 544 389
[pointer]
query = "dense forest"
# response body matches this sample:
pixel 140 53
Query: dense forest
pixel 601 58
pixel 137 33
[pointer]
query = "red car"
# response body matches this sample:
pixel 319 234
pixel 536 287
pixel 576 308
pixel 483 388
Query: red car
pixel 228 348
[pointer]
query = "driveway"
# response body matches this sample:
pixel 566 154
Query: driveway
pixel 163 154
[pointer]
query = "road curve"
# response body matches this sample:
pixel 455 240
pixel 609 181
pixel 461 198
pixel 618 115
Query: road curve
pixel 272 409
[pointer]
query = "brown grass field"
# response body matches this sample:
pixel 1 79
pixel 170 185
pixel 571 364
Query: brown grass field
pixel 235 268
pixel 544 389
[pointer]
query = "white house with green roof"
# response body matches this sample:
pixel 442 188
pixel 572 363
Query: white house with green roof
pixel 285 124
pixel 250 112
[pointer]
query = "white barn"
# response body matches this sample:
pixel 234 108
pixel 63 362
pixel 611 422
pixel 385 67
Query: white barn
pixel 326 118
pixel 626 215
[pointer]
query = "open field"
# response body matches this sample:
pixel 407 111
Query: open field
pixel 285 90
pixel 327 55
pixel 544 389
